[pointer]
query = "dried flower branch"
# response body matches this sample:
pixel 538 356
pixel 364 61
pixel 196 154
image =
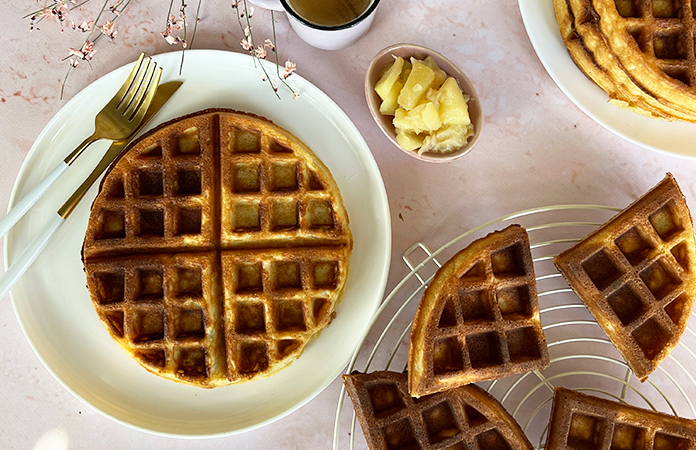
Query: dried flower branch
pixel 176 32
pixel 258 52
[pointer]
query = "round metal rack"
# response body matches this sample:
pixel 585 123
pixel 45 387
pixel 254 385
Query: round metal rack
pixel 582 357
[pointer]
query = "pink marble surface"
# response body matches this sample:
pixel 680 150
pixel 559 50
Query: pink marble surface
pixel 537 149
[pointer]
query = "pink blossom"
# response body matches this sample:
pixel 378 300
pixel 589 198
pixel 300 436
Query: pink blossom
pixel 171 40
pixel 246 45
pixel 86 53
pixel 108 29
pixel 261 52
pixel 269 44
pixel 86 26
pixel 290 67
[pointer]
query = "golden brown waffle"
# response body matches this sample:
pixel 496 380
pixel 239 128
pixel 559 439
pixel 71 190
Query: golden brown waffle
pixel 636 275
pixel 466 417
pixel 217 247
pixel 603 44
pixel 580 421
pixel 479 317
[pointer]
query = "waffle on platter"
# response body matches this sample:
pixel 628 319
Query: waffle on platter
pixel 466 417
pixel 636 275
pixel 580 421
pixel 640 52
pixel 217 247
pixel 479 317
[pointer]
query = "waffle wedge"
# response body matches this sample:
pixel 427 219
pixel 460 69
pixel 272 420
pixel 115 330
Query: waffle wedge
pixel 466 417
pixel 583 421
pixel 636 275
pixel 216 249
pixel 479 317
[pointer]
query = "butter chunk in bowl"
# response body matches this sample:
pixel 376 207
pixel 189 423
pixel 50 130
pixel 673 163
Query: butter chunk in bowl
pixel 423 103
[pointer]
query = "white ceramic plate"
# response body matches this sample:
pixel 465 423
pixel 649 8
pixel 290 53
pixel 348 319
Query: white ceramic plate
pixel 675 138
pixel 52 301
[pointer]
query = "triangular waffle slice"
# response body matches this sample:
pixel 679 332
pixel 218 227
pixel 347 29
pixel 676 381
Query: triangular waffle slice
pixel 584 421
pixel 479 317
pixel 636 276
pixel 466 417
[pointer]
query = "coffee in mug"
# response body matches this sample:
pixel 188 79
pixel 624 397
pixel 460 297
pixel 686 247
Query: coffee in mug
pixel 329 13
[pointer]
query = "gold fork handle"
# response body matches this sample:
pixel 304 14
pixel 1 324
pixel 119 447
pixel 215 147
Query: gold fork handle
pixel 78 151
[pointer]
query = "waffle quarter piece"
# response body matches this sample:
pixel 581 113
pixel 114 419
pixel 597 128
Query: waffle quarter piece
pixel 479 317
pixel 463 418
pixel 217 247
pixel 636 276
pixel 580 421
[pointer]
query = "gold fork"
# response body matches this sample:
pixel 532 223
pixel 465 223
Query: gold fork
pixel 116 121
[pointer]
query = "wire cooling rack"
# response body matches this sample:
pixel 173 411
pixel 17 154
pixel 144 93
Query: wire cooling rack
pixel 582 357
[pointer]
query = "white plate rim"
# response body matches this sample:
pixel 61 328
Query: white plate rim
pixel 669 138
pixel 196 59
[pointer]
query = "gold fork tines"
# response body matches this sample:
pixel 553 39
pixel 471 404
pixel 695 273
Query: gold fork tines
pixel 121 116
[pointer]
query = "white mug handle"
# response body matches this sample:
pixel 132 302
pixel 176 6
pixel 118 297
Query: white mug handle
pixel 268 4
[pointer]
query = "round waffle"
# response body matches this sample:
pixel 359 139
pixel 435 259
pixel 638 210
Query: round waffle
pixel 217 247
pixel 636 51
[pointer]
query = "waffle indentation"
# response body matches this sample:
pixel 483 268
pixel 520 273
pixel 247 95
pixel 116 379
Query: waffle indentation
pixel 247 142
pixel 319 214
pixel 114 188
pixel 586 432
pixel 665 222
pixel 321 308
pixel 153 358
pixel 188 282
pixel 286 347
pixel 666 9
pixel 626 304
pixel 250 318
pixel 627 437
pixel 189 221
pixel 385 399
pixel 150 222
pixel 627 8
pixel 315 183
pixel 448 317
pixel 115 321
pixel 189 323
pixel 247 177
pixel 477 272
pixel 522 344
pixel 246 216
pixel 283 176
pixel 399 435
pixel 634 246
pixel 253 357
pixel 601 270
pixel 492 440
pixel 668 442
pixel 188 142
pixel 675 310
pixel 147 324
pixel 284 214
pixel 110 287
pixel 475 305
pixel 514 303
pixel 508 262
pixel 113 225
pixel 286 275
pixel 669 45
pixel 324 274
pixel 484 350
pixel 249 278
pixel 659 279
pixel 290 316
pixel 150 284
pixel 651 338
pixel 440 423
pixel 473 417
pixel 681 254
pixel 447 356
pixel 191 362
pixel 188 182
pixel 149 183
